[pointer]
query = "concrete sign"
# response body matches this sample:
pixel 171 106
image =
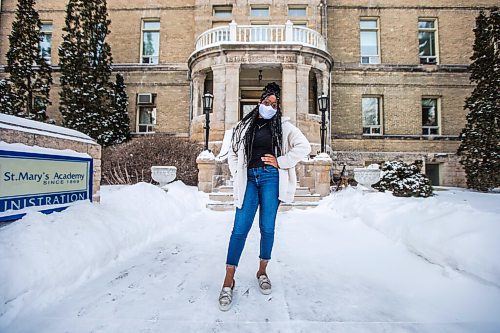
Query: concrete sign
pixel 42 181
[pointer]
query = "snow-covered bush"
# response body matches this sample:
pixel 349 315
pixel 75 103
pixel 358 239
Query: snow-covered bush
pixel 403 180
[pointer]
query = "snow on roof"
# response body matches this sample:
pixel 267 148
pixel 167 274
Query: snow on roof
pixel 36 127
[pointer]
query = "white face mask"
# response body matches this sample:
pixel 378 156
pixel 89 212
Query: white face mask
pixel 266 112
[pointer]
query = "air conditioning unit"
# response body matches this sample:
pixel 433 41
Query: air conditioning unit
pixel 145 99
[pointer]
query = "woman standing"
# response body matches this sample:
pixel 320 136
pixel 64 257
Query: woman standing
pixel 265 150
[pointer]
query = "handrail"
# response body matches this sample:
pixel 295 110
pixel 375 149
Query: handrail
pixel 258 34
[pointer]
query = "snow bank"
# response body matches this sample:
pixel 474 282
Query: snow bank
pixel 455 228
pixel 44 256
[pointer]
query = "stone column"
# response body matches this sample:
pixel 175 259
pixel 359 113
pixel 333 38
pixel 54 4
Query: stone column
pixel 319 83
pixel 305 173
pixel 303 88
pixel 232 94
pixel 219 74
pixel 217 118
pixel 198 83
pixel 289 92
pixel 206 171
pixel 322 167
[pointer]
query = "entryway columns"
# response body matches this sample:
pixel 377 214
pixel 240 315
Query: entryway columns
pixel 289 91
pixel 226 91
pixel 303 88
pixel 219 92
pixel 232 94
pixel 198 84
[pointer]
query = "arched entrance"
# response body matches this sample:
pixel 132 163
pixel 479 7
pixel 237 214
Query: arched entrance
pixel 233 69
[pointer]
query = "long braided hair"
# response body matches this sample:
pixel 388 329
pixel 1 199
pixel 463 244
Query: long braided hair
pixel 249 123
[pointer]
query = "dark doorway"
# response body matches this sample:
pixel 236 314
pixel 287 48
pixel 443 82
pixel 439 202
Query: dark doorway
pixel 432 171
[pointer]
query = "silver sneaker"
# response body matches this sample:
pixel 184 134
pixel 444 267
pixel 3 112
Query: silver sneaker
pixel 264 284
pixel 226 298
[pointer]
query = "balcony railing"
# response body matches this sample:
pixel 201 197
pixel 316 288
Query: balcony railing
pixel 261 34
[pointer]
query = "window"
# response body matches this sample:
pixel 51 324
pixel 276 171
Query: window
pixel 430 120
pixel 217 24
pixel 150 41
pixel 223 11
pixel 371 115
pixel 297 11
pixel 46 41
pixel 427 34
pixel 147 119
pixel 146 112
pixel 208 87
pixel 313 93
pixel 259 11
pixel 369 41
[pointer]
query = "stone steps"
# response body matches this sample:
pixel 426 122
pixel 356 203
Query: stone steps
pixel 299 205
pixel 222 199
pixel 299 197
pixel 225 188
pixel 227 206
pixel 221 196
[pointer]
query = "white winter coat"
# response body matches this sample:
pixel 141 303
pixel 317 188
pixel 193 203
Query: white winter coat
pixel 295 148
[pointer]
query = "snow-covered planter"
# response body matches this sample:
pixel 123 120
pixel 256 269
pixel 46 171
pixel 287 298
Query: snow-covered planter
pixel 163 174
pixel 403 180
pixel 367 176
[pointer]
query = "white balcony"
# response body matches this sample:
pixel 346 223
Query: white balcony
pixel 261 34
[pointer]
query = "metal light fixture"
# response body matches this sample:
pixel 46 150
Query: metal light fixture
pixel 260 75
pixel 208 100
pixel 323 102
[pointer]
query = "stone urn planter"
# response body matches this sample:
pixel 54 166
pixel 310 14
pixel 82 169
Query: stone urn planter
pixel 367 176
pixel 163 175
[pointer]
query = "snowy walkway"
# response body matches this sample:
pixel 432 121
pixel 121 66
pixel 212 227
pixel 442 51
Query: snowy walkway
pixel 329 273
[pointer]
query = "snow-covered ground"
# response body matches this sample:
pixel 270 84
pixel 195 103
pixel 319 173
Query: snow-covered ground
pixel 148 261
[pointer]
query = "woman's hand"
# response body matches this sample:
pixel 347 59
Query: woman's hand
pixel 270 160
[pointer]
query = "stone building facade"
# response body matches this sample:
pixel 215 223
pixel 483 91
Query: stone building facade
pixel 396 72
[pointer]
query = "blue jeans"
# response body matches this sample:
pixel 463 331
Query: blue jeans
pixel 262 190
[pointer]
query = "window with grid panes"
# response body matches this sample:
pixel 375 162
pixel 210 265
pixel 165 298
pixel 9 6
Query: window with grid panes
pixel 371 115
pixel 150 41
pixel 368 39
pixel 427 34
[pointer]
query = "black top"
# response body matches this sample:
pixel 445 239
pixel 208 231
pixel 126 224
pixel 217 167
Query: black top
pixel 262 143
